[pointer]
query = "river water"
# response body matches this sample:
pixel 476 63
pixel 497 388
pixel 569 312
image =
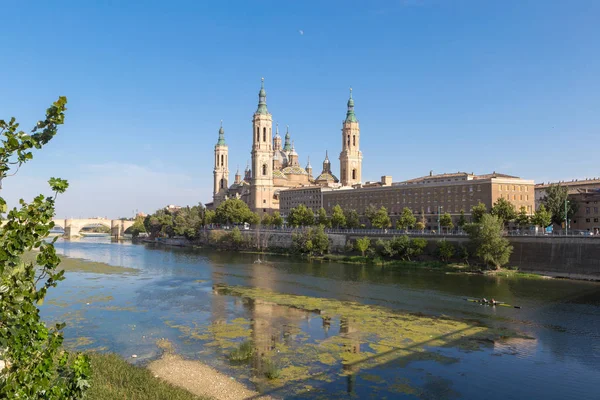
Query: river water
pixel 393 333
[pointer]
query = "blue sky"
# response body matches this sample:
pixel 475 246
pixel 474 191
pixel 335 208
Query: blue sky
pixel 442 85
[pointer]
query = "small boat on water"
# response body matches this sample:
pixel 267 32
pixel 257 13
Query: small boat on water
pixel 491 303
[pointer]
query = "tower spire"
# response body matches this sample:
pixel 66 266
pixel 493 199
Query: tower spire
pixel 221 141
pixel 262 98
pixel 286 145
pixel 350 117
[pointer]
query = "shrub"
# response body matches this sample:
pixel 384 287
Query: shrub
pixel 487 238
pixel 445 250
pixel 362 244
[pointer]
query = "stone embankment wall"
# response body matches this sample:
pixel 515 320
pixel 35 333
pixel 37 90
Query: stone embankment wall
pixel 564 257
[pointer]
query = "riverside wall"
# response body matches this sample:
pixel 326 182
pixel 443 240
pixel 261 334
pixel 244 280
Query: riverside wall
pixel 564 257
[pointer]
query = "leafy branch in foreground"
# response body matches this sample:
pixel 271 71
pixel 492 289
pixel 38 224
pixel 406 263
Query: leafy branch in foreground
pixel 36 366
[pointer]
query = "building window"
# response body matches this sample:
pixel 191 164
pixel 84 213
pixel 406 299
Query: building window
pixel 353 140
pixel 353 174
pixel 595 219
pixel 264 134
pixel 222 163
pixel 264 169
pixel 264 201
pixel 348 140
pixel 257 134
pixel 587 210
pixel 587 220
pixel 595 210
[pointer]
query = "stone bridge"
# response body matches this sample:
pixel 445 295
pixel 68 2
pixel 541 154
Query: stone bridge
pixel 73 226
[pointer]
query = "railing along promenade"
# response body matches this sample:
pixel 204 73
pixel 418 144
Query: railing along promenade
pixel 398 232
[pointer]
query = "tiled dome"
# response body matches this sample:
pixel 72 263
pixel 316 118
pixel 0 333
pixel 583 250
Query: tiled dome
pixel 295 170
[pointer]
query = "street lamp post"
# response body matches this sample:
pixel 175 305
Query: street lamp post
pixel 566 218
pixel 439 219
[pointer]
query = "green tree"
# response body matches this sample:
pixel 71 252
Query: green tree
pixel 253 218
pixel 38 366
pixel 445 250
pixel 446 221
pixel 381 219
pixel 487 238
pixel 234 211
pixel 277 219
pixel 542 217
pixel 370 212
pixel 461 219
pixel 208 216
pixel 267 220
pixel 312 241
pixel 505 210
pixel 338 219
pixel 323 219
pixel 362 245
pixel 477 212
pixel 554 201
pixel 523 220
pixel 420 226
pixel 407 219
pixel 137 227
pixel 301 216
pixel 352 219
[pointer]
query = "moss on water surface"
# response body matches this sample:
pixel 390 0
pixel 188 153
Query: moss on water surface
pixel 80 265
pixel 289 351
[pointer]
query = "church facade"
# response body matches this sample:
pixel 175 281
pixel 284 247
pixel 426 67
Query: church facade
pixel 275 166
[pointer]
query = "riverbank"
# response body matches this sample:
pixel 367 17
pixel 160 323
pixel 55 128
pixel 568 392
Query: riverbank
pixel 114 378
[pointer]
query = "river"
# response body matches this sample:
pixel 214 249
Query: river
pixel 385 332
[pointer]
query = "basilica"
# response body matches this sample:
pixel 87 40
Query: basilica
pixel 275 167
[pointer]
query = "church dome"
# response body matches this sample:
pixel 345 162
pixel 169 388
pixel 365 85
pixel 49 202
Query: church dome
pixel 327 177
pixel 294 170
pixel 277 174
pixel 280 155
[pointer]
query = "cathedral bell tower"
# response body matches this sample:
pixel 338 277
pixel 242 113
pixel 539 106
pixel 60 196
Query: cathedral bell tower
pixel 221 170
pixel 351 156
pixel 261 199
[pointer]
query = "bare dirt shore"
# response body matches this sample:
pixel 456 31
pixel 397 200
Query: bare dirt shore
pixel 200 379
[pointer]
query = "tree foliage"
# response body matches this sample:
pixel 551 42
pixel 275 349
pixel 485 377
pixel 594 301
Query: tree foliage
pixel 370 212
pixel 477 212
pixel 554 201
pixel 445 250
pixel 37 366
pixel 352 219
pixel 267 220
pixel 137 227
pixel 401 247
pixel 505 210
pixel 235 211
pixel 523 220
pixel 322 218
pixel 461 219
pixel 312 241
pixel 338 219
pixel 301 216
pixel 277 219
pixel 362 244
pixel 542 217
pixel 446 221
pixel 487 238
pixel 381 219
pixel 407 219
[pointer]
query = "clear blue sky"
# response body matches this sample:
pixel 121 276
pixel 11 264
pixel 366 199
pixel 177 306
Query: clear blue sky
pixel 442 85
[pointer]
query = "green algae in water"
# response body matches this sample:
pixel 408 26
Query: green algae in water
pixel 80 265
pixel 368 336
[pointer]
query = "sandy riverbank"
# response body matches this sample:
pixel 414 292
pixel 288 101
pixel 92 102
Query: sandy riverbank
pixel 200 379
